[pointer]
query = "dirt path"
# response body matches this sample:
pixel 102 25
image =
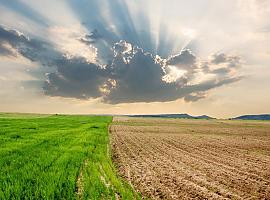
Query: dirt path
pixel 193 159
pixel 79 182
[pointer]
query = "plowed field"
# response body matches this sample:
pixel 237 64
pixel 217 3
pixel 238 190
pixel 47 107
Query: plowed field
pixel 193 159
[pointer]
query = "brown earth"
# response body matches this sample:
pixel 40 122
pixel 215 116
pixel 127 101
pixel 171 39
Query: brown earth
pixel 193 159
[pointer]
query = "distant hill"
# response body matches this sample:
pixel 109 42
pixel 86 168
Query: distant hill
pixel 254 117
pixel 180 116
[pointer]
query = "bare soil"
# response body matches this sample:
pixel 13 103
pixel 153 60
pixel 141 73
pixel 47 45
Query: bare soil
pixel 193 159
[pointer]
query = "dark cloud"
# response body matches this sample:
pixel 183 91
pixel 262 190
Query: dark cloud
pixel 132 75
pixel 223 70
pixel 233 61
pixel 13 37
pixel 91 38
pixel 76 78
pixel 222 64
pixel 138 78
pixel 184 60
pixel 208 85
pixel 219 58
pixel 33 49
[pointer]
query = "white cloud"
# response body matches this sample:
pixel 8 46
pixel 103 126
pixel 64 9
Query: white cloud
pixel 67 40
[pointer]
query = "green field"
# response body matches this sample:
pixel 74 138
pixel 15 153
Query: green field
pixel 58 157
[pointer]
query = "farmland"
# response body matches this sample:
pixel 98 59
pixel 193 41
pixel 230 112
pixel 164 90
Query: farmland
pixel 57 157
pixel 193 159
pixel 69 157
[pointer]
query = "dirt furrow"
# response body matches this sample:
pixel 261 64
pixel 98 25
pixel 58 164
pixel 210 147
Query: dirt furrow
pixel 189 159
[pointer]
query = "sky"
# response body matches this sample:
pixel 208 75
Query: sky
pixel 135 56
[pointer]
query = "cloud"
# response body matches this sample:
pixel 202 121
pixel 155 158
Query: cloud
pixel 91 38
pixel 194 96
pixel 185 59
pixel 220 58
pixel 76 78
pixel 13 37
pixel 134 75
pixel 222 64
pixel 67 40
pixel 5 50
pixel 35 50
pixel 138 77
pixel 131 75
